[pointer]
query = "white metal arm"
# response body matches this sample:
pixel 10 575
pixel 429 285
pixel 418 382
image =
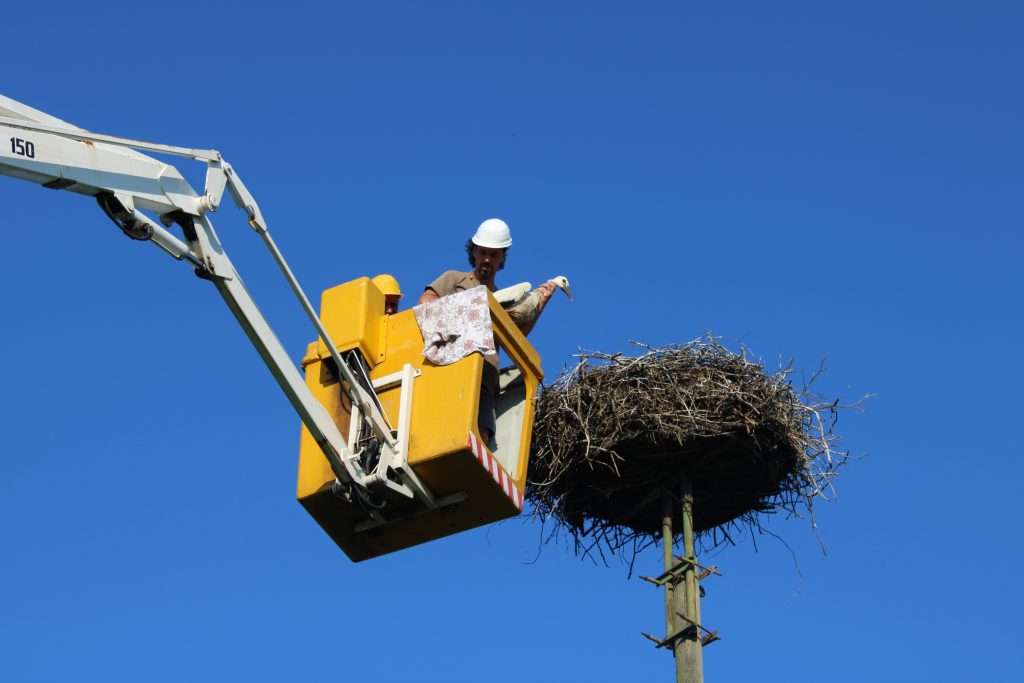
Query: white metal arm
pixel 42 149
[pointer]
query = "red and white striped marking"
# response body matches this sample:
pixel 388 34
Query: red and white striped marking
pixel 500 476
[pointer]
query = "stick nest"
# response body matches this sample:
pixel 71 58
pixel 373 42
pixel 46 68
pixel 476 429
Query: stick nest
pixel 614 432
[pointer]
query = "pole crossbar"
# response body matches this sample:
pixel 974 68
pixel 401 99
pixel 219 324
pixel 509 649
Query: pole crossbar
pixel 708 571
pixel 671 638
pixel 705 571
pixel 711 635
pixel 679 568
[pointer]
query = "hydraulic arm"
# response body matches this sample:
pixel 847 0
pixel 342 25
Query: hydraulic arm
pixel 37 147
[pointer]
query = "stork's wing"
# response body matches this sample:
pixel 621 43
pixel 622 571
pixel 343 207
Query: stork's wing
pixel 510 296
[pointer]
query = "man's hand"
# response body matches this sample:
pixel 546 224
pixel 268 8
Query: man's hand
pixel 546 290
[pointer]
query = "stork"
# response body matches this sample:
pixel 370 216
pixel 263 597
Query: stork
pixel 522 304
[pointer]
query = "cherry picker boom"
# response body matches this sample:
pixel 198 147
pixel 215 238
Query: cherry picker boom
pixel 377 489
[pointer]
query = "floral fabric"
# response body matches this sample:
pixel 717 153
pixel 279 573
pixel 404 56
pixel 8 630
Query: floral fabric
pixel 455 326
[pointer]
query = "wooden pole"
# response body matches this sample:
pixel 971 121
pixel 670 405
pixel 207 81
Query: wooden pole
pixel 682 590
pixel 686 600
pixel 666 539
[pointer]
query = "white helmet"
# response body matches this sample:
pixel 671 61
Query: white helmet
pixel 493 233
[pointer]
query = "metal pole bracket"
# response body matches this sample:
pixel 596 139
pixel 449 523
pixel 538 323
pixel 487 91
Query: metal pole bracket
pixel 674 574
pixel 711 636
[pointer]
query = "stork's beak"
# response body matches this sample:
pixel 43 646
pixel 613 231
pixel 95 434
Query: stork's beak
pixel 568 292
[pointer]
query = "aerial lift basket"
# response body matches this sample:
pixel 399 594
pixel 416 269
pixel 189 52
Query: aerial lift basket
pixel 481 483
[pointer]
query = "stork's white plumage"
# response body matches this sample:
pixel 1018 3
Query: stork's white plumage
pixel 512 295
pixel 522 304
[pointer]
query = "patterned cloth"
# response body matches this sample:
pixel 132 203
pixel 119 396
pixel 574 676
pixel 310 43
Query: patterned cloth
pixel 455 326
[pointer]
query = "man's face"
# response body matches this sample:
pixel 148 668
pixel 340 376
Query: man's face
pixel 391 304
pixel 487 262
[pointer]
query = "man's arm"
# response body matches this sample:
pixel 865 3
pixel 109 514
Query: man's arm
pixel 442 286
pixel 546 290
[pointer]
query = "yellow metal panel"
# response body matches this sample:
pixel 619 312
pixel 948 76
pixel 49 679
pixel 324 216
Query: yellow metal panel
pixel 444 413
pixel 352 314
pixel 525 357
pixel 314 470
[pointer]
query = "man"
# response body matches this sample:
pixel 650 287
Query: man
pixel 487 251
pixel 392 294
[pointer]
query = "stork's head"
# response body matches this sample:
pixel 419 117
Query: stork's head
pixel 562 282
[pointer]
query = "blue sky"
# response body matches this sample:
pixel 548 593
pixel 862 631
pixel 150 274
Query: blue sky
pixel 809 178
